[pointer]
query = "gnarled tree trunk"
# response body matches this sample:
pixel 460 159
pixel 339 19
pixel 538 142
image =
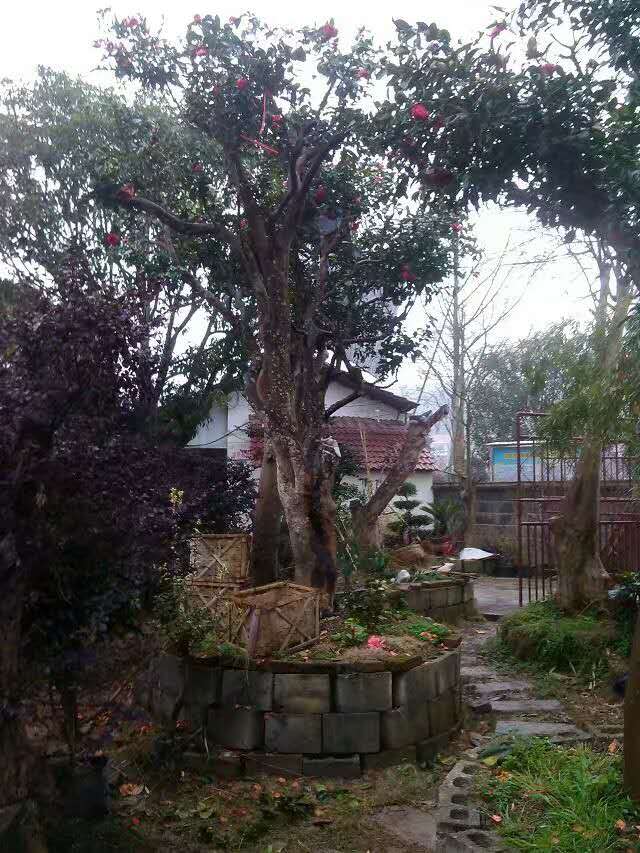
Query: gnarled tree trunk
pixel 266 522
pixel 365 517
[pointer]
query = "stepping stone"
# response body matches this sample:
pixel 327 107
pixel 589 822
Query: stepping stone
pixel 525 706
pixel 556 732
pixel 468 672
pixel 496 688
pixel 410 825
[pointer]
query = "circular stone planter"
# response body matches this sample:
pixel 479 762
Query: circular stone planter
pixel 322 719
pixel 449 600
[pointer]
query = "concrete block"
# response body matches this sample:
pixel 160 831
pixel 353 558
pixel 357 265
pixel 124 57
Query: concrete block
pixel 403 726
pixel 468 594
pixel 202 690
pixel 331 767
pixel 366 691
pixel 428 750
pixel 346 733
pixel 302 694
pixel 417 686
pixel 236 728
pixel 388 758
pixel 439 597
pixel 443 713
pixel 171 674
pixel 454 595
pixel 447 668
pixel 224 764
pixel 293 732
pixel 248 688
pixel 273 764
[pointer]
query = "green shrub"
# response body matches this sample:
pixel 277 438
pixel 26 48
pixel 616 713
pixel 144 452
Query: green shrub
pixel 184 624
pixel 542 634
pixel 560 799
pixel 367 604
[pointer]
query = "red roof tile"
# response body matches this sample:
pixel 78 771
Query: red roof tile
pixel 375 443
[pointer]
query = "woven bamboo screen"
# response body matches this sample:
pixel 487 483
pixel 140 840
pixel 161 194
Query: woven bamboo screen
pixel 220 557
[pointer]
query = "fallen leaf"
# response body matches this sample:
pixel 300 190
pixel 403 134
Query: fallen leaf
pixel 281 781
pixel 620 825
pixel 614 746
pixel 496 818
pixel 490 760
pixel 130 789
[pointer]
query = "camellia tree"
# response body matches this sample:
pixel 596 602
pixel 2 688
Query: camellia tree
pixel 299 185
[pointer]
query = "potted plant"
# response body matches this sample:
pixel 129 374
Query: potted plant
pixel 446 518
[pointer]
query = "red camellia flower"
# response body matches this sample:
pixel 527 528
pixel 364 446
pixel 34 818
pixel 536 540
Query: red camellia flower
pixel 126 192
pixel 216 91
pixel 328 31
pixel 112 239
pixel 363 74
pixel 197 19
pixel 234 21
pixel 354 225
pixel 241 84
pixel 244 224
pixel 320 195
pixel 548 68
pixel 196 168
pixel 407 274
pixel 200 50
pixel 497 30
pixel 276 119
pixel 457 227
pixel 419 112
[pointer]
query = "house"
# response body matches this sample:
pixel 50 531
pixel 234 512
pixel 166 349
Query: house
pixel 371 429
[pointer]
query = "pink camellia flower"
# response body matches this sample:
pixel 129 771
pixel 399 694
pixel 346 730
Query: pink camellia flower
pixel 234 21
pixel 320 195
pixel 363 74
pixel 277 119
pixel 197 168
pixel 497 30
pixel 197 19
pixel 548 68
pixel 244 224
pixel 419 112
pixel 216 91
pixel 112 239
pixel 439 122
pixel 375 642
pixel 328 31
pixel 457 227
pixel 354 225
pixel 131 23
pixel 241 84
pixel 200 50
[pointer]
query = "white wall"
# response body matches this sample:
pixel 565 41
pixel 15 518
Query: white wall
pixel 422 480
pixel 234 417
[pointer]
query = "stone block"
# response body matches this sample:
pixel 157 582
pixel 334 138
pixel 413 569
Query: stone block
pixel 447 671
pixel 403 726
pixel 417 686
pixel 428 750
pixel 443 713
pixel 293 732
pixel 388 758
pixel 236 728
pixel 454 595
pixel 468 592
pixel 302 694
pixel 247 688
pixel 273 763
pixel 332 768
pixel 453 614
pixel 171 674
pixel 366 691
pixel 439 597
pixel 343 734
pixel 224 765
pixel 202 690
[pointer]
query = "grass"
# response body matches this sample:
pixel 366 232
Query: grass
pixel 543 635
pixel 560 799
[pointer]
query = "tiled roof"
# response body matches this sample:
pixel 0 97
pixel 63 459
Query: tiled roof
pixel 375 443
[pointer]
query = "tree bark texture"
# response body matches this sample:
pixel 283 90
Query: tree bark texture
pixel 632 721
pixel 575 533
pixel 365 517
pixel 266 522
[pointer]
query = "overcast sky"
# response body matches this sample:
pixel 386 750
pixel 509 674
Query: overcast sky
pixel 60 34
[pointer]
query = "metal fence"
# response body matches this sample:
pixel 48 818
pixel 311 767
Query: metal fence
pixel 544 476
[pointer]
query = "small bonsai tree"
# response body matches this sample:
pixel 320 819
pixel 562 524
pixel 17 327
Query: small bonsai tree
pixel 411 523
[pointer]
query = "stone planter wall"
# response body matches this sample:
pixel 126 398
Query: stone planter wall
pixel 447 600
pixel 316 719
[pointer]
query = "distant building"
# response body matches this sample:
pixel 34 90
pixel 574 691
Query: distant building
pixel 539 463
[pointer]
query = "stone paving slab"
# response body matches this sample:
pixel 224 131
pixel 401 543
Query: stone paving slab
pixel 470 672
pixel 496 688
pixel 525 706
pixel 412 826
pixel 557 732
